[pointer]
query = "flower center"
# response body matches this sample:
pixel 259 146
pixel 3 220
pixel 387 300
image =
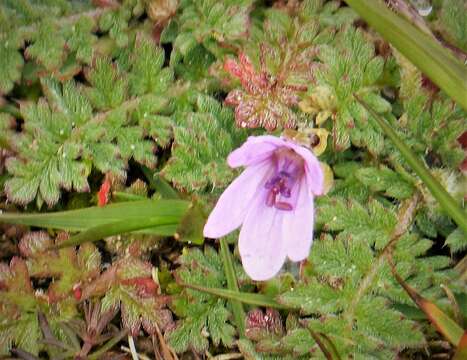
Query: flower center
pixel 288 169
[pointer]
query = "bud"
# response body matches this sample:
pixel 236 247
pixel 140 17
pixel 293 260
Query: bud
pixel 160 11
pixel 260 325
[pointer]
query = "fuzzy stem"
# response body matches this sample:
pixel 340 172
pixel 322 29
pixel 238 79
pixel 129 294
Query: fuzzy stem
pixel 237 306
pixel 405 218
pixel 133 352
pixel 108 345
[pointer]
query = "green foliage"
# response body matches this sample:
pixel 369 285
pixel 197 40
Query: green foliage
pixel 202 315
pixel 203 138
pixel 49 46
pixel 454 22
pixel 457 241
pixel 350 67
pixel 385 180
pixel 11 63
pixel 206 22
pixel 283 51
pixel 350 288
pixel 374 223
pixel 429 126
pixel 81 39
pixel 146 75
pixel 60 36
pixel 128 285
pixel 81 127
pixel 20 304
pixel 66 267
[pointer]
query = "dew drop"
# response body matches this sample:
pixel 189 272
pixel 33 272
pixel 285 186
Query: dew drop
pixel 62 132
pixel 132 147
pixel 423 7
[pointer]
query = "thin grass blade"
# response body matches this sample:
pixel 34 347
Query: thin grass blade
pixel 247 298
pixel 167 212
pixel 442 322
pixel 237 306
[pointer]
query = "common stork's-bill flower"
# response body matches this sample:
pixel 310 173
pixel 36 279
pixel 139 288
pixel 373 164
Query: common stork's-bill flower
pixel 273 202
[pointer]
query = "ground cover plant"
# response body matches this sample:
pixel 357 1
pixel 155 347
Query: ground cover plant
pixel 233 179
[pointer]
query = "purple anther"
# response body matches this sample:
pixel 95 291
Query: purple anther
pixel 281 205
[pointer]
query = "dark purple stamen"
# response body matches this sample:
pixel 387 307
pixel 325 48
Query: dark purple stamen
pixel 279 185
pixel 281 205
pixel 288 170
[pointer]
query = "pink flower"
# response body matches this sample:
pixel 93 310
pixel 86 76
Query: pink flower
pixel 273 201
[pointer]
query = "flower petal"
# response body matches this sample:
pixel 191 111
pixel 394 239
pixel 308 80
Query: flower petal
pixel 298 225
pixel 233 205
pixel 254 150
pixel 313 170
pixel 262 242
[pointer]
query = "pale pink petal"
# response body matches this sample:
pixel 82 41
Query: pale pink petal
pixel 313 171
pixel 254 150
pixel 298 225
pixel 262 241
pixel 232 206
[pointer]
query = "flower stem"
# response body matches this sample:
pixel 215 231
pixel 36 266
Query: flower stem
pixel 108 345
pixel 237 306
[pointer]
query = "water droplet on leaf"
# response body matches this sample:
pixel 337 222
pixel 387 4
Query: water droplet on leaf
pixel 423 7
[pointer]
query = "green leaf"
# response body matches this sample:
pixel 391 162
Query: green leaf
pixel 457 241
pixel 147 75
pixel 68 268
pixel 68 100
pixel 386 180
pixel 48 47
pixel 202 141
pixel 11 64
pixel 128 285
pixel 374 225
pixel 81 40
pixel 200 312
pixel 454 23
pixel 443 323
pixel 168 212
pixel 108 85
pixel 20 306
